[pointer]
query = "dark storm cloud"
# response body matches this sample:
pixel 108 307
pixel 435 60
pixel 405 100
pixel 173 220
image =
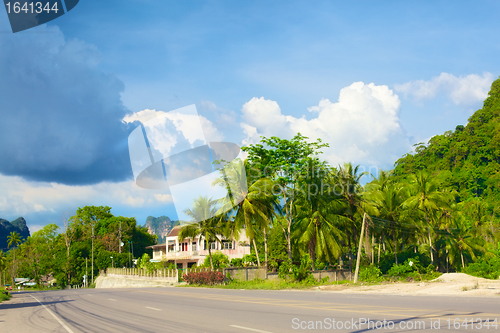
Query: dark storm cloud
pixel 60 114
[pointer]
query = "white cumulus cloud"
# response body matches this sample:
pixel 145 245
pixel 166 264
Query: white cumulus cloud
pixel 462 90
pixel 363 126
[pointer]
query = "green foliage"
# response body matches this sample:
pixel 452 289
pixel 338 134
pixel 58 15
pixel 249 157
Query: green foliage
pixel 219 259
pixel 470 154
pixel 303 272
pixel 370 274
pixel 485 268
pixel 5 296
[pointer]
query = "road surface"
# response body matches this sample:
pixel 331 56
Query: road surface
pixel 241 311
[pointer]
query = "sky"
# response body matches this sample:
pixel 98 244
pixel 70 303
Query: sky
pixel 370 78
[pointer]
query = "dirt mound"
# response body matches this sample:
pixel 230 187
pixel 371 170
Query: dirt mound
pixel 461 278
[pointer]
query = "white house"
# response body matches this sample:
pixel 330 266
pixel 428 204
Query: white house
pixel 189 251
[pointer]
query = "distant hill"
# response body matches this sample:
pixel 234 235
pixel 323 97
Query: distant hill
pixel 468 157
pixel 6 227
pixel 160 226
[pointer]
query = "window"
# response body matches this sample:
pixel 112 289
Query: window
pixel 228 245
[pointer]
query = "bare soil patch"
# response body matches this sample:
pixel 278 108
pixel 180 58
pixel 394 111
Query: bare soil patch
pixel 452 284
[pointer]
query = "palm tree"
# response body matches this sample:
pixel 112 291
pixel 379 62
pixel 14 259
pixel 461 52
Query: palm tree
pixel 2 264
pixel 427 197
pixel 13 239
pixel 389 201
pixel 206 224
pixel 250 203
pixel 461 238
pixel 319 214
pixel 347 179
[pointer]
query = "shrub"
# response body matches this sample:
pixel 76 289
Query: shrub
pixel 370 274
pixel 204 278
pixel 304 270
pixel 486 268
pixel 285 269
pixel 406 270
pixel 219 259
pixel 236 262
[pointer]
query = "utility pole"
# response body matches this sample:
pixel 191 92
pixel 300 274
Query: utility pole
pixel 92 280
pixel 359 249
pixel 120 238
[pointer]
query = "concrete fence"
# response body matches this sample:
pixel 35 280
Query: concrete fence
pixel 170 275
pixel 333 275
pixel 237 273
pixel 246 273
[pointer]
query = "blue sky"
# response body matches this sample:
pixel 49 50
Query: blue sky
pixel 371 78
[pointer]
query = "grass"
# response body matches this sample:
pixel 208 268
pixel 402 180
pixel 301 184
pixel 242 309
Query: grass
pixel 270 285
pixel 4 297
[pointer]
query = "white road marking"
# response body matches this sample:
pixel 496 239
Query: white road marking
pixel 53 315
pixel 249 329
pixel 148 307
pixel 112 299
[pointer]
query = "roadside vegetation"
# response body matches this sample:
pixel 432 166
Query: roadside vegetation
pixel 5 296
pixel 437 211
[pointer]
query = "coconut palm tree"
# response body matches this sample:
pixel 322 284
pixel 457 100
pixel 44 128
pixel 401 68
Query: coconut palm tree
pixel 250 203
pixel 206 224
pixel 13 239
pixel 319 214
pixel 389 202
pixel 346 182
pixel 3 262
pixel 427 197
pixel 461 238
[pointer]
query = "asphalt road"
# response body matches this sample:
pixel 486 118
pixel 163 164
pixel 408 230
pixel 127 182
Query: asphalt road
pixel 240 311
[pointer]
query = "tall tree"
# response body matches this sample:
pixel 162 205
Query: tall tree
pixel 282 160
pixel 427 197
pixel 319 212
pixel 347 182
pixel 203 211
pixel 13 240
pixel 249 203
pixel 3 264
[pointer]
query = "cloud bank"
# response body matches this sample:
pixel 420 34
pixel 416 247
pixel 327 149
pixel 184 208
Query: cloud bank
pixel 60 113
pixel 462 90
pixel 362 127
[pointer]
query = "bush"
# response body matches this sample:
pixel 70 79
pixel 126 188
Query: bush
pixel 204 278
pixel 219 259
pixel 285 269
pixel 236 262
pixel 406 270
pixel 304 270
pixel 4 296
pixel 485 268
pixel 370 274
pixel 387 261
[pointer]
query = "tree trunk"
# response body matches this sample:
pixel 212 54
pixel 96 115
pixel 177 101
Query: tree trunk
pixel 209 253
pixel 379 245
pixel 430 245
pixel 462 255
pixel 350 249
pixel 395 244
pixel 368 249
pixel 256 252
pixel 383 242
pixel 265 247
